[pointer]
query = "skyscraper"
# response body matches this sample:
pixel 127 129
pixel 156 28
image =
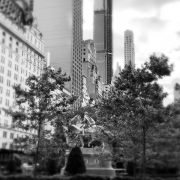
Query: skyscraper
pixel 22 54
pixel 129 53
pixel 116 73
pixel 61 24
pixel 102 36
pixel 176 92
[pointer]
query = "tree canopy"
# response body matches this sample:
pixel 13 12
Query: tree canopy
pixel 41 103
pixel 134 107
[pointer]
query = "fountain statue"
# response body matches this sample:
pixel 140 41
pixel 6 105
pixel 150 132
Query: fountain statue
pixel 85 130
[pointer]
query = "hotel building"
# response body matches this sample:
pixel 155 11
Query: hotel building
pixel 102 36
pixel 61 24
pixel 21 55
pixel 129 53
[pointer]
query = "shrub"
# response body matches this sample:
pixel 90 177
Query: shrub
pixel 51 166
pixel 75 164
pixel 130 168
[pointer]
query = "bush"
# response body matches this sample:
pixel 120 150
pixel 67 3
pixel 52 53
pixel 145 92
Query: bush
pixel 57 177
pixel 51 166
pixel 130 168
pixel 75 164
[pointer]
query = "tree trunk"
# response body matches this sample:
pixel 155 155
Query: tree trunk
pixel 144 154
pixel 37 151
pixel 135 167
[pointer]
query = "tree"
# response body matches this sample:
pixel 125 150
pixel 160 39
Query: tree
pixel 166 148
pixel 134 107
pixel 42 103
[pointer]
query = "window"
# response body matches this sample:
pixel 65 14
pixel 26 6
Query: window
pixel 0 100
pixel 1 79
pixel 14 104
pixel 21 80
pixel 10 45
pixel 6 122
pixel 1 69
pixel 9 73
pixel 7 92
pixel 6 114
pixel 2 60
pixel 4 134
pixel 11 146
pixel 4 145
pixel 10 54
pixel 12 136
pixel 13 95
pixel 16 67
pixel 7 102
pixel 17 59
pixel 9 64
pixel 3 50
pixel 8 82
pixel 22 70
pixel 1 90
pixel 3 41
pixel 16 77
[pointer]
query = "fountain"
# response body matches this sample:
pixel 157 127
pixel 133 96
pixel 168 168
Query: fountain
pixel 85 130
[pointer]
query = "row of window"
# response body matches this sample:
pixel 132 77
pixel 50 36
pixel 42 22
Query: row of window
pixel 35 41
pixel 11 135
pixel 7 102
pixel 7 92
pixel 17 57
pixel 5 135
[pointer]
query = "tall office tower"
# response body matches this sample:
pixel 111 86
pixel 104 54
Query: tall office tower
pixel 21 55
pixel 176 93
pixel 102 35
pixel 116 73
pixel 129 53
pixel 61 24
pixel 90 70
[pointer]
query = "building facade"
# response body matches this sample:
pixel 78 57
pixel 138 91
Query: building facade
pixel 116 73
pixel 21 55
pixel 176 92
pixel 90 70
pixel 129 52
pixel 102 36
pixel 61 24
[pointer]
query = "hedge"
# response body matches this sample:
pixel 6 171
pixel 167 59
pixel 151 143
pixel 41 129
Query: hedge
pixel 57 177
pixel 77 177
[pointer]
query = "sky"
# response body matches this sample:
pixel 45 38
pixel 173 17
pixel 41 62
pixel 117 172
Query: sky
pixel 156 28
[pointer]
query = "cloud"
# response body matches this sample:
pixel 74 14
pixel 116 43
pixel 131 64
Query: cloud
pixel 178 33
pixel 150 23
pixel 142 5
pixel 155 24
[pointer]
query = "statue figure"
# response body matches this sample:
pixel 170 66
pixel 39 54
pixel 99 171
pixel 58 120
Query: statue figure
pixel 83 129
